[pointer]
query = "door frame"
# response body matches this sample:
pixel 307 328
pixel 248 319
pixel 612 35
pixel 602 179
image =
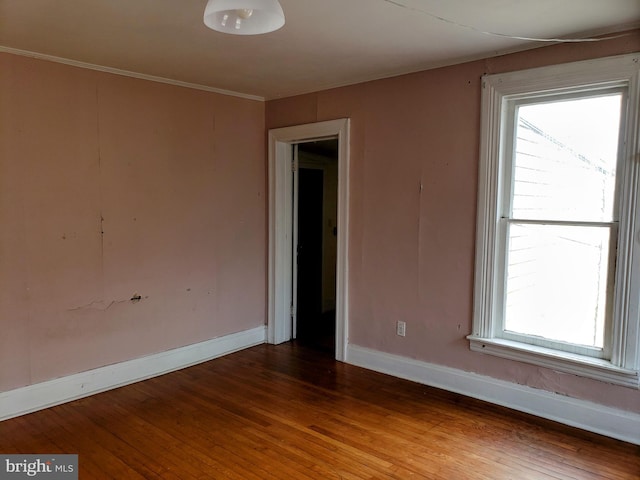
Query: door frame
pixel 280 282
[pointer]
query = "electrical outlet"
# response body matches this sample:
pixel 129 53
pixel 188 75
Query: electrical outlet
pixel 401 328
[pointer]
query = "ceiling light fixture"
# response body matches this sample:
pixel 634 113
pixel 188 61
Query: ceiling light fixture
pixel 243 17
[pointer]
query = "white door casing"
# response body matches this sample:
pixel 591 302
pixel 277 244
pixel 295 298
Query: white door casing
pixel 281 233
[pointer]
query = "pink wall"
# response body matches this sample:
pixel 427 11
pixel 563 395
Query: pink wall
pixel 412 253
pixel 175 180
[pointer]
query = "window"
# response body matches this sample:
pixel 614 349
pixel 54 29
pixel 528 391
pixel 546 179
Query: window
pixel 557 279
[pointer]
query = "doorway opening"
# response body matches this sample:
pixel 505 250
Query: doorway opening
pixel 315 243
pixel 282 294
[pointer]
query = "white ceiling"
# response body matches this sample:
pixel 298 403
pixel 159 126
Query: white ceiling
pixel 324 43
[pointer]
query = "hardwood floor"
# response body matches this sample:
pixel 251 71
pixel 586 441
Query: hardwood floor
pixel 289 412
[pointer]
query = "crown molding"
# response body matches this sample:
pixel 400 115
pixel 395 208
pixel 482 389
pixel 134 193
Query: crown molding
pixel 127 73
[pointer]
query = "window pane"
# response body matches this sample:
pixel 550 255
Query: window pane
pixel 556 284
pixel 565 159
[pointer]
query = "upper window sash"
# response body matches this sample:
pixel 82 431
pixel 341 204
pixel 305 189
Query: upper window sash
pixel 509 126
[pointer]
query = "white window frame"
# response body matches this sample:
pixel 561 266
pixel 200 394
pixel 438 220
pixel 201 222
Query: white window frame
pixel 499 91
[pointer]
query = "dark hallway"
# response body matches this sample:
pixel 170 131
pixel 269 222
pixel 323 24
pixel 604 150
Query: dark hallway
pixel 316 236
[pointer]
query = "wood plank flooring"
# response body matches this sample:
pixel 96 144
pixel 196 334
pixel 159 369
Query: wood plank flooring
pixel 290 412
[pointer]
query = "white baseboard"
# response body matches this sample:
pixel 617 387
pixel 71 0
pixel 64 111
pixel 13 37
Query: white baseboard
pixel 589 416
pixel 31 398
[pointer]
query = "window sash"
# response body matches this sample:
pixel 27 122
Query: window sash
pixel 507 187
pixel 500 330
pixel 509 129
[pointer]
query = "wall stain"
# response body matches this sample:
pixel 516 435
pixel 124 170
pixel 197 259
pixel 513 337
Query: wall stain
pixel 102 306
pixel 96 305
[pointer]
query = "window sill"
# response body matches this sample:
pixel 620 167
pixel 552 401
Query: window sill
pixel 580 365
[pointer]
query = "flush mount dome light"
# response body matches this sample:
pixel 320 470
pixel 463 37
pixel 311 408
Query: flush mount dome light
pixel 243 17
